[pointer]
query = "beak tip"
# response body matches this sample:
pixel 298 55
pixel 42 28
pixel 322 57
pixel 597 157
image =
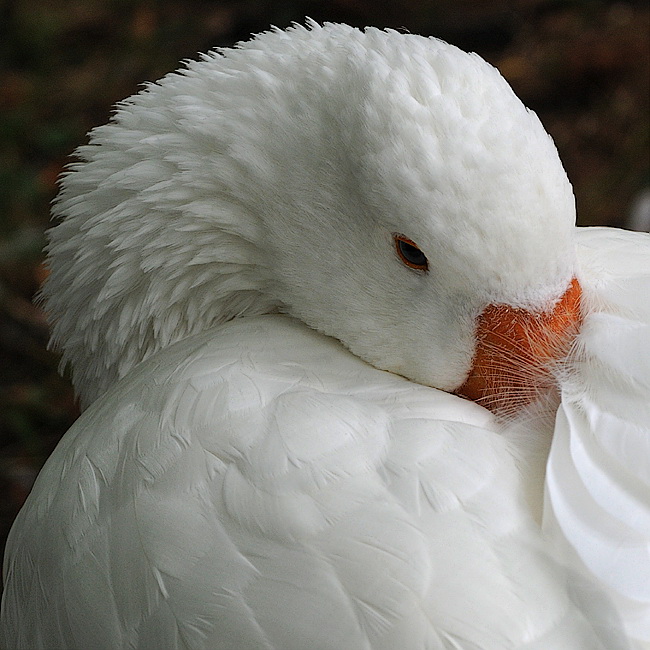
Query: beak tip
pixel 517 351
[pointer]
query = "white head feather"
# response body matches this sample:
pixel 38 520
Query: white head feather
pixel 271 177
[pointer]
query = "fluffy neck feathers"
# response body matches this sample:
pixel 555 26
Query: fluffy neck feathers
pixel 141 262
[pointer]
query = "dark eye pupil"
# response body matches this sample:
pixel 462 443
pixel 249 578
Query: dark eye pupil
pixel 412 254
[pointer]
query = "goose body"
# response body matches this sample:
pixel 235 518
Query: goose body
pixel 267 279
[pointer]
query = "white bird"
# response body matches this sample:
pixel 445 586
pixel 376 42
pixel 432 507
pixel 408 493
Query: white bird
pixel 271 273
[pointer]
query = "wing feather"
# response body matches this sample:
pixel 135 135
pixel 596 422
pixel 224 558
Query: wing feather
pixel 598 475
pixel 258 486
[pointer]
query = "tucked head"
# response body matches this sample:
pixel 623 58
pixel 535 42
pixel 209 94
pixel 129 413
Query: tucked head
pixel 384 188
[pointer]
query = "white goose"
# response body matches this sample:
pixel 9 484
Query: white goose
pixel 269 268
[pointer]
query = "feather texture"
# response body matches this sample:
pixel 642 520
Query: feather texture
pixel 598 476
pixel 258 486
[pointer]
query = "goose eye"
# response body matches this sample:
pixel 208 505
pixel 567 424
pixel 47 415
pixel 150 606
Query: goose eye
pixel 410 254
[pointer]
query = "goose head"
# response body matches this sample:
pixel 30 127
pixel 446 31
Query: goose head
pixel 388 190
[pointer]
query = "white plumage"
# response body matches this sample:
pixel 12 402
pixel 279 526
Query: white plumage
pixel 598 475
pixel 252 471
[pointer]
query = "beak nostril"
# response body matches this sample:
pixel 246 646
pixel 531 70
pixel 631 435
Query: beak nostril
pixel 516 351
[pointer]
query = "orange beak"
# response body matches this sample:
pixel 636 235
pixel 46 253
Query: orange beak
pixel 517 351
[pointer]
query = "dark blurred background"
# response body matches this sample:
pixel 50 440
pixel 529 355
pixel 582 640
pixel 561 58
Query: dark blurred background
pixel 584 66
